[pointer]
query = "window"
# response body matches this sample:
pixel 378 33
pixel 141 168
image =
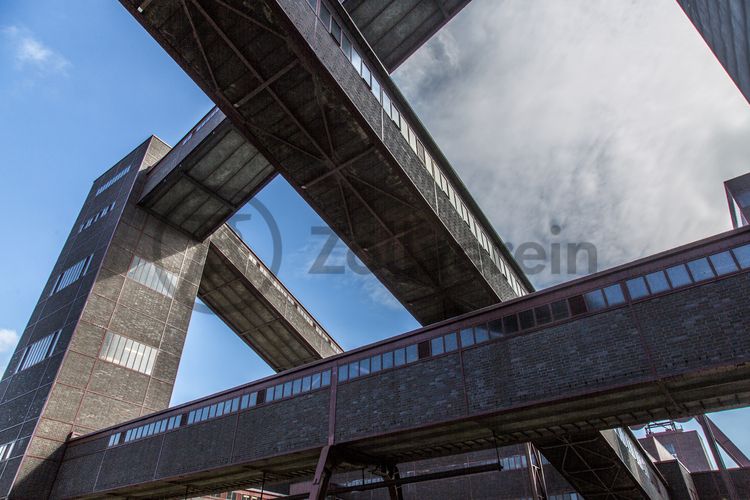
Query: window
pixel 510 324
pixel 113 440
pixel 496 329
pixel 577 305
pixel 595 300
pixel 657 282
pixel 38 351
pixel 153 276
pixel 128 353
pixel 700 269
pixel 436 346
pixel 743 256
pixel 481 334
pixel 146 430
pixel 325 17
pixel 346 47
pixel 560 310
pixel 527 319
pixel 101 213
pixel 119 175
pixel 71 274
pixel 376 363
pixel 451 342
pixel 467 337
pixel 399 357
pixel 723 263
pixel 412 354
pixel 336 32
pixel 356 60
pixel 6 450
pixel 543 314
pixel 637 288
pixel 678 276
pixel 387 360
pixel 614 295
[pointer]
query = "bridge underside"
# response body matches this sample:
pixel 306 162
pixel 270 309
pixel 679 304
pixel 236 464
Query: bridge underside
pixel 289 89
pixel 206 178
pixel 594 368
pixel 397 28
pixel 590 462
pixel 238 287
pixel 725 26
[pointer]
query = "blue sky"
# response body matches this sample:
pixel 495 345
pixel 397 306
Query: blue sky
pixel 77 92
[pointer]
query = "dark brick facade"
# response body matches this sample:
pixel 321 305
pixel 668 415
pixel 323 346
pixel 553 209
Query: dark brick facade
pixel 74 391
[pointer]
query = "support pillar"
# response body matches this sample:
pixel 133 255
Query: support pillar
pixel 323 472
pixel 711 438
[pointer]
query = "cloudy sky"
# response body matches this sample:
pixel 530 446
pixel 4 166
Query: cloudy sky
pixel 610 119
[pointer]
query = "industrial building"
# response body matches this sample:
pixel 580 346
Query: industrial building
pixel 504 392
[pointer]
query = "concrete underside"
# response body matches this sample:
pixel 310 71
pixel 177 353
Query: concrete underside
pixel 397 28
pixel 300 103
pixel 206 178
pixel 725 26
pixel 648 360
pixel 241 290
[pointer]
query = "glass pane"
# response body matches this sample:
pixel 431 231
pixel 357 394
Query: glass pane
pixel 376 88
pixel 364 366
pixel 343 373
pixel 366 74
pixel 244 401
pixel 278 392
pixel 496 329
pixel 743 256
pixel 346 46
pixel 354 369
pixel 657 282
pixel 436 346
pixel 253 398
pixel 614 295
pixel 326 378
pixel 412 354
pixel 387 360
pixel 679 276
pixel 316 378
pixel 577 305
pixel 723 263
pixel 595 300
pixel 399 356
pixel 451 342
pixel 356 60
pixel 527 319
pixel 637 288
pixel 543 314
pixel 560 310
pixel 467 337
pixel 297 386
pixel 306 383
pixel 700 269
pixel 375 363
pixel 510 324
pixel 336 31
pixel 481 334
pixel 325 17
pixel 287 389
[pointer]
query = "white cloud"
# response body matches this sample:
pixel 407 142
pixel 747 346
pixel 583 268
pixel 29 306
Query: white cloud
pixel 31 53
pixel 8 340
pixel 612 119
